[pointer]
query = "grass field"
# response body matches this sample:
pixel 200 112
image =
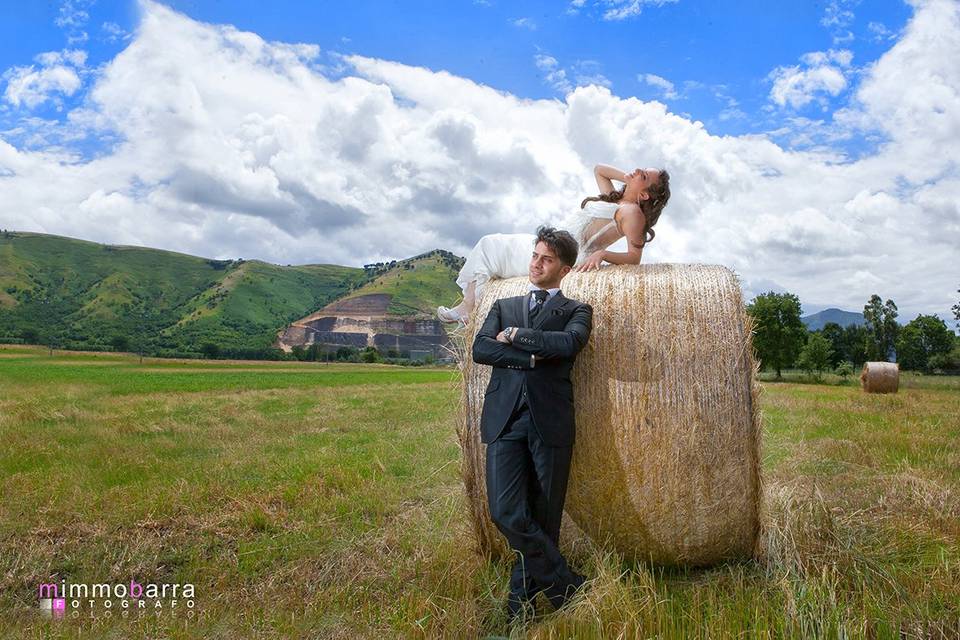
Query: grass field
pixel 313 500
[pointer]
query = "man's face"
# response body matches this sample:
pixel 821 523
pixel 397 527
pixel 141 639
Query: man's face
pixel 546 269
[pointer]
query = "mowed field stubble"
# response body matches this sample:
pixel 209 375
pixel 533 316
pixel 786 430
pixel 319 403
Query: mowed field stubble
pixel 312 500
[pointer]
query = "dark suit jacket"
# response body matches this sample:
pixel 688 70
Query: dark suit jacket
pixel 559 331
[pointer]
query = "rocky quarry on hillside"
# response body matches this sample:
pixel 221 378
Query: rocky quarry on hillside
pixel 362 321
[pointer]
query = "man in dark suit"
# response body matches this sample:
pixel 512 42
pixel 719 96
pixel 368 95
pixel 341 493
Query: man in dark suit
pixel 527 421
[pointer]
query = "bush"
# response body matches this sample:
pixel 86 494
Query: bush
pixel 370 354
pixel 210 350
pixel 844 370
pixel 348 354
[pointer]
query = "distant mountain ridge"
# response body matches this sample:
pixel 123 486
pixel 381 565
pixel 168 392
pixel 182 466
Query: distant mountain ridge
pixel 816 321
pixel 86 295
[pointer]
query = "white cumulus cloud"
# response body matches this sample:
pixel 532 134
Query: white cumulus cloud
pixel 524 23
pixel 666 87
pixel 614 10
pixel 623 9
pixel 553 74
pixel 55 72
pixel 821 72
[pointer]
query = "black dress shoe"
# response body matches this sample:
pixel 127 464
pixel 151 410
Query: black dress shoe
pixel 519 609
pixel 559 598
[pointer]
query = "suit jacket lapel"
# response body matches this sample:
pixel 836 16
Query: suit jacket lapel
pixel 555 302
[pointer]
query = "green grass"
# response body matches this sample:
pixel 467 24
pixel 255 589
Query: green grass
pixel 126 379
pixel 310 500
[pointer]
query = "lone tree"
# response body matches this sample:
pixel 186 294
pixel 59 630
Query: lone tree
pixel 833 332
pixel 881 320
pixel 923 338
pixel 778 333
pixel 816 354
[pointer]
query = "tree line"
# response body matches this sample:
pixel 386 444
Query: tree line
pixel 781 340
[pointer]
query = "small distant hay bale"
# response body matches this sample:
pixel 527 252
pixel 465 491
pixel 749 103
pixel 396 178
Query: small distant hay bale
pixel 880 377
pixel 666 465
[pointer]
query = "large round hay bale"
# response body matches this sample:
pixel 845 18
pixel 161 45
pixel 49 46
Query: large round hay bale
pixel 880 377
pixel 666 460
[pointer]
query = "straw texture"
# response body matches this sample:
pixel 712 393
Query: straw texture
pixel 666 460
pixel 880 377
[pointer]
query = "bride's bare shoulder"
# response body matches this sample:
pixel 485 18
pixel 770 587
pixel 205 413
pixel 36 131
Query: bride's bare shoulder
pixel 628 209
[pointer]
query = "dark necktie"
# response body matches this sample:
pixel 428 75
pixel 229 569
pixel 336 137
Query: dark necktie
pixel 541 296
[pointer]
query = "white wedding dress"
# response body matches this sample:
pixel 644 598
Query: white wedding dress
pixel 507 255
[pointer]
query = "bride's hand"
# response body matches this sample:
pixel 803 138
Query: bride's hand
pixel 591 263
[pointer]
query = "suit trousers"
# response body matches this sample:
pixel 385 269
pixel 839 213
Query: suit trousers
pixel 526 488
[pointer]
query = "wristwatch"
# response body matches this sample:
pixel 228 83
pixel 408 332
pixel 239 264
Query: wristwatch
pixel 508 332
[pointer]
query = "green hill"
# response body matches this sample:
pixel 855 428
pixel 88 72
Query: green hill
pixel 84 295
pixel 417 285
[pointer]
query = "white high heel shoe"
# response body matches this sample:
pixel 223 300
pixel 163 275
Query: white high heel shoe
pixel 449 315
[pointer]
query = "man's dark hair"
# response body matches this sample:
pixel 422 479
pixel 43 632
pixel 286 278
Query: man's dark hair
pixel 560 241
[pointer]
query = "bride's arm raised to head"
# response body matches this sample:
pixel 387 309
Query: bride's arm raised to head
pixel 604 174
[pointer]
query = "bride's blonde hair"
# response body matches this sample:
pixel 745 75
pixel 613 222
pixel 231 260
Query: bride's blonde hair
pixel 651 207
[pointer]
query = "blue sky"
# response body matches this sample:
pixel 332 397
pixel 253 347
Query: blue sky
pixel 717 55
pixel 798 134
